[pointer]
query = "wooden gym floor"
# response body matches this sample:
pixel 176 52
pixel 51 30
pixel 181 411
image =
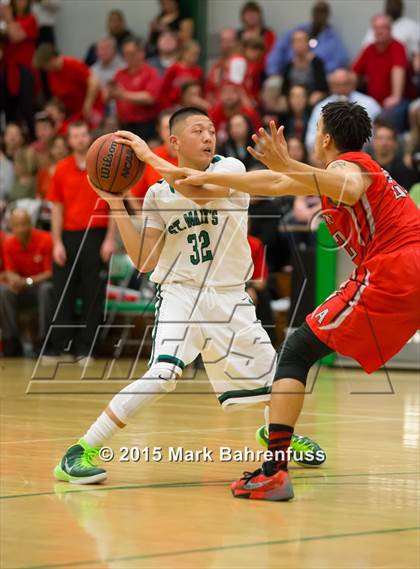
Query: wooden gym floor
pixel 361 510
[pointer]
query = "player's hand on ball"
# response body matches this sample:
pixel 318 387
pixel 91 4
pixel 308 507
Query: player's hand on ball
pixel 271 148
pixel 138 145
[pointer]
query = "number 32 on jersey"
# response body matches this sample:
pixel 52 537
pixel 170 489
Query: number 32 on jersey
pixel 201 247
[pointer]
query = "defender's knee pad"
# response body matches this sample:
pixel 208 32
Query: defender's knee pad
pixel 298 353
pixel 160 379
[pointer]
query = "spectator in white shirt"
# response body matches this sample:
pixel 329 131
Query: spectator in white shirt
pixel 342 87
pixel 405 30
pixel 108 62
pixel 167 51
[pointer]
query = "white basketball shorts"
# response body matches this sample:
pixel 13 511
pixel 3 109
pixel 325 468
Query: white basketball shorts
pixel 222 326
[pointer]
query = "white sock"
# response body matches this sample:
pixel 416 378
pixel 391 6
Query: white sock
pixel 101 430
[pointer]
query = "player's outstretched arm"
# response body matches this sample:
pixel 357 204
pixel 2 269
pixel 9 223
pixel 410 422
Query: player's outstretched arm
pixel 256 183
pixel 342 181
pixel 143 248
pixel 168 171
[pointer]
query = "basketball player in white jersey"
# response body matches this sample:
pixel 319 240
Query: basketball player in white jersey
pixel 200 258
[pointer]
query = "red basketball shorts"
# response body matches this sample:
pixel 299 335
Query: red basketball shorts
pixel 374 313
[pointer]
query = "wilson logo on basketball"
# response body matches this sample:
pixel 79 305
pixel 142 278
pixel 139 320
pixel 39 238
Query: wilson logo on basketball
pixel 127 164
pixel 107 161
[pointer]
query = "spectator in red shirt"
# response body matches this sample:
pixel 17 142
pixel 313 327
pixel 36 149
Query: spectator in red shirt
pixel 186 69
pixel 230 67
pixel 254 54
pixel 83 244
pixel 71 80
pixel 21 31
pixel 27 260
pixel 383 66
pixel 136 90
pixel 253 26
pixel 231 104
pixel 165 150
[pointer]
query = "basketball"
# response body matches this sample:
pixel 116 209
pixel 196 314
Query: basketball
pixel 111 166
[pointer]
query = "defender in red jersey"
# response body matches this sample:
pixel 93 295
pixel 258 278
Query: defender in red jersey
pixel 376 311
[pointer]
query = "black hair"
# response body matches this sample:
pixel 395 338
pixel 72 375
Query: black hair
pixel 182 114
pixel 138 42
pixel 348 124
pixel 251 7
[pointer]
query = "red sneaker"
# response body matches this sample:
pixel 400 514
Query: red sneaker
pixel 257 486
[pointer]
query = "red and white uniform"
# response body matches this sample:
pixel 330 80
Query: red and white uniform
pixel 376 311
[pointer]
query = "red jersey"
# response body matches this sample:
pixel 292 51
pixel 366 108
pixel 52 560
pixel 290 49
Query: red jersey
pixel 258 258
pixel 174 78
pixel 384 220
pixel 376 311
pixel 31 260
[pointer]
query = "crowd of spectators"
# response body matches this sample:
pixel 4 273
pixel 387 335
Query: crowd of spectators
pixel 52 105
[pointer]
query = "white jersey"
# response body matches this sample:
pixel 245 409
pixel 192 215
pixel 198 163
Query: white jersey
pixel 205 245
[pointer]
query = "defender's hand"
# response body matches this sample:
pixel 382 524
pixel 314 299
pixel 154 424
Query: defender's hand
pixel 193 179
pixel 174 174
pixel 272 148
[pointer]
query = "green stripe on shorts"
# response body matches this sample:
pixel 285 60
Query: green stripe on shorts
pixel 238 393
pixel 155 326
pixel 171 360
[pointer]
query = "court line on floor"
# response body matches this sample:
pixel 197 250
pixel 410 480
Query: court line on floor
pixel 194 430
pixel 237 546
pixel 191 484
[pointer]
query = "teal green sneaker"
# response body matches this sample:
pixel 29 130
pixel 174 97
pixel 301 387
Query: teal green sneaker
pixel 78 465
pixel 306 451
